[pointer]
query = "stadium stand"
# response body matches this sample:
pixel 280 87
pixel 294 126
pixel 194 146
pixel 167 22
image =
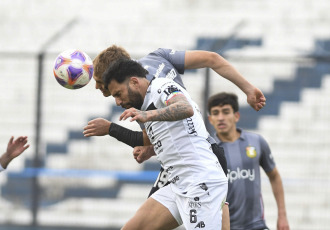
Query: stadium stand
pixel 280 46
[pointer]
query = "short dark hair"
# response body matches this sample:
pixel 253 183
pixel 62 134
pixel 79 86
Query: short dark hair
pixel 222 99
pixel 121 70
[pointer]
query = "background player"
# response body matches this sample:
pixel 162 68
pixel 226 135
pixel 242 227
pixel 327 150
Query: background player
pixel 245 152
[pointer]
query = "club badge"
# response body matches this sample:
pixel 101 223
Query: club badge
pixel 251 152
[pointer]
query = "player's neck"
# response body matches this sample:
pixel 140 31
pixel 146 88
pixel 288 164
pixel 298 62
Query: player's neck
pixel 231 136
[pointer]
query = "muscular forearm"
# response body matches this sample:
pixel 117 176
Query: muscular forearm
pixel 205 59
pixel 227 71
pixel 179 108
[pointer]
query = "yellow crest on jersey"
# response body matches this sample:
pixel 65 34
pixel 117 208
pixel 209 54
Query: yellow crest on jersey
pixel 251 151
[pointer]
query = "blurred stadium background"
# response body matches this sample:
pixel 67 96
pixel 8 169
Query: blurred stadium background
pixel 66 181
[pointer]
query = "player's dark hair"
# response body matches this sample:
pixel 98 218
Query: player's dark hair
pixel 222 99
pixel 123 69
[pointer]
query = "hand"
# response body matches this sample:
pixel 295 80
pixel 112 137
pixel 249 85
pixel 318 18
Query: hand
pixel 282 223
pixel 135 114
pixel 256 99
pixel 97 127
pixel 14 149
pixel 143 153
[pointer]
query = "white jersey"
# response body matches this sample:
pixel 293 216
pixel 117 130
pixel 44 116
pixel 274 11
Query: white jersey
pixel 181 146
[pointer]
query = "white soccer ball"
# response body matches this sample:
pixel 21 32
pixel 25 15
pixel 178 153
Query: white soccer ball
pixel 73 69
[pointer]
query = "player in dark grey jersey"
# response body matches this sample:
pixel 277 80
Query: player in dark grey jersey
pixel 245 152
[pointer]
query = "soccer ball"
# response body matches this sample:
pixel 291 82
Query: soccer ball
pixel 73 69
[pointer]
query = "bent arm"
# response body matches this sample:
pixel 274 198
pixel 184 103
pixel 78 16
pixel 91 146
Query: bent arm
pixel 204 59
pixel 178 108
pixel 102 127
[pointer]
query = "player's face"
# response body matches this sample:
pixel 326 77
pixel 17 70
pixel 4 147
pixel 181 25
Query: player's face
pixel 135 98
pixel 99 85
pixel 223 119
pixel 125 95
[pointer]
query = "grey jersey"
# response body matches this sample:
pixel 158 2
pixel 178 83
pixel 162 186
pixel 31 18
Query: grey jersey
pixel 244 158
pixel 181 146
pixel 164 63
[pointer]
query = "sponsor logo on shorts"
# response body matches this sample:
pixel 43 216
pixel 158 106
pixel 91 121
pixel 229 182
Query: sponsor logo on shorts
pixel 200 224
pixel 241 174
pixel 195 203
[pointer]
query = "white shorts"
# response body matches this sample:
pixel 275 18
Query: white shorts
pixel 200 208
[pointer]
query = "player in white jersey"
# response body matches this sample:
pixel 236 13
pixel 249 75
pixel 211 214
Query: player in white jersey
pixel 14 149
pixel 170 138
pixel 176 130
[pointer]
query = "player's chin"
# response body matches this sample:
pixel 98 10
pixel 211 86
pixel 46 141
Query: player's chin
pixel 126 106
pixel 105 93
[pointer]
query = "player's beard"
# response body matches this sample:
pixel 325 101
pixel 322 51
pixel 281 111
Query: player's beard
pixel 136 100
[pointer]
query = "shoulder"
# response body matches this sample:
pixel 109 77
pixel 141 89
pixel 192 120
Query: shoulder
pixel 252 136
pixel 162 83
pixel 168 53
pixel 164 87
pixel 158 52
pixel 256 139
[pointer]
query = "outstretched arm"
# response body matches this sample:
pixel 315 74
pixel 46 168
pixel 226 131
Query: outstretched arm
pixel 205 59
pixel 14 149
pixel 102 127
pixel 277 186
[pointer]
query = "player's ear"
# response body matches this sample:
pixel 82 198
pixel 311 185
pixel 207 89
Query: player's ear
pixel 134 81
pixel 237 116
